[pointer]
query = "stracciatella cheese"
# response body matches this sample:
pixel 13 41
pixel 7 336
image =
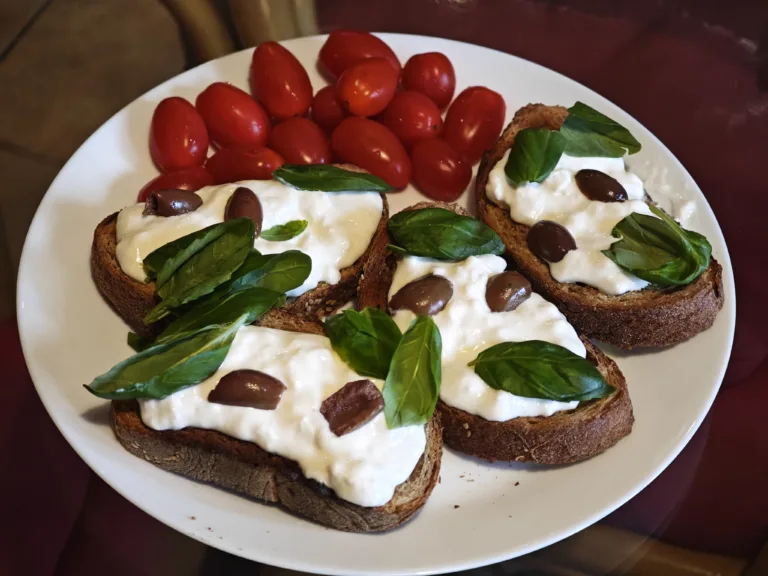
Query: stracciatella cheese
pixel 364 466
pixel 559 199
pixel 340 227
pixel 468 326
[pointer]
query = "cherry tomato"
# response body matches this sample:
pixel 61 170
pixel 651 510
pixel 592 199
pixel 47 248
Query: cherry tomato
pixel 372 147
pixel 431 74
pixel 438 170
pixel 343 48
pixel 327 109
pixel 191 179
pixel 474 121
pixel 412 117
pixel 177 136
pixel 235 164
pixel 366 88
pixel 232 116
pixel 300 141
pixel 279 81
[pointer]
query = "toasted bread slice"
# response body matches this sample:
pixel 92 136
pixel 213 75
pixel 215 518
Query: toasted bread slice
pixel 649 317
pixel 563 438
pixel 243 467
pixel 132 300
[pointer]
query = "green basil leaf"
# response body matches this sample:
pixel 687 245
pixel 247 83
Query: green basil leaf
pixel 283 232
pixel 155 260
pixel 533 155
pixel 702 247
pixel 211 266
pixel 658 250
pixel 138 343
pixel 537 369
pixel 397 249
pixel 223 309
pixel 365 340
pixel 162 263
pixel 441 234
pixel 277 272
pixel 254 262
pixel 587 132
pixel 167 368
pixel 322 177
pixel 413 382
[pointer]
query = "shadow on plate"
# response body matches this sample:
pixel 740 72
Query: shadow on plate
pixel 98 415
pixel 514 466
pixel 615 352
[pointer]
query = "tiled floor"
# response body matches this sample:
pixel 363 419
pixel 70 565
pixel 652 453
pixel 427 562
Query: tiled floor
pixel 65 67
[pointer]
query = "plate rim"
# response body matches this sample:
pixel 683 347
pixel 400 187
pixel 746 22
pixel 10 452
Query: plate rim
pixel 476 560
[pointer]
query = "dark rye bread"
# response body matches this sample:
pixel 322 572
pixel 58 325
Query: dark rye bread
pixel 563 438
pixel 132 300
pixel 649 317
pixel 243 467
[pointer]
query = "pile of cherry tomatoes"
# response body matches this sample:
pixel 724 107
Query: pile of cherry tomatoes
pixel 378 115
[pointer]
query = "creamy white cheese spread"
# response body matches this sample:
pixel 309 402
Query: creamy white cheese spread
pixel 559 199
pixel 340 227
pixel 468 326
pixel 363 466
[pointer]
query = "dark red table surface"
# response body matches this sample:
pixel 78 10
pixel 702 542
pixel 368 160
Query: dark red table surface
pixel 696 74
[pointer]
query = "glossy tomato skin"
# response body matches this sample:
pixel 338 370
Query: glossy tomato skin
pixel 373 147
pixel 474 121
pixel 327 109
pixel 300 141
pixel 343 48
pixel 431 74
pixel 412 117
pixel 235 164
pixel 232 116
pixel 279 81
pixel 178 137
pixel 191 179
pixel 439 171
pixel 366 88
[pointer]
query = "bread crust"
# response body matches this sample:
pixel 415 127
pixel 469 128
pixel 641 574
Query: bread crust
pixel 563 438
pixel 652 317
pixel 132 300
pixel 243 467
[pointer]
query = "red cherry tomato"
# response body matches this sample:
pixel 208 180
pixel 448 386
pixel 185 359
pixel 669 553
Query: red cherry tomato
pixel 343 48
pixel 279 81
pixel 300 141
pixel 366 88
pixel 412 117
pixel 235 164
pixel 327 109
pixel 373 147
pixel 474 121
pixel 232 116
pixel 439 171
pixel 431 74
pixel 191 179
pixel 178 137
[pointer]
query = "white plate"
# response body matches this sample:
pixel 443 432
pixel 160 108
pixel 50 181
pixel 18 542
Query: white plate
pixel 478 514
